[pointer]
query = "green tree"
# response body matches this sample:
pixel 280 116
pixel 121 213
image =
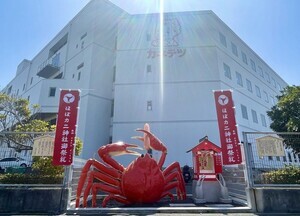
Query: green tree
pixel 285 115
pixel 16 115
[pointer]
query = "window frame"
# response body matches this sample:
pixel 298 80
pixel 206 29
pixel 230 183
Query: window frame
pixel 227 73
pixel 254 116
pixel 244 58
pixel 234 49
pixel 51 91
pixel 223 39
pixel 244 112
pixel 249 85
pixel 253 65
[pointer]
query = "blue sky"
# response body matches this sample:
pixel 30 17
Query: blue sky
pixel 269 27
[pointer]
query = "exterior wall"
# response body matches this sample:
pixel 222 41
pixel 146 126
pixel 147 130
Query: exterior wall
pixel 184 102
pixel 268 82
pixel 182 110
pixel 86 49
pixel 114 59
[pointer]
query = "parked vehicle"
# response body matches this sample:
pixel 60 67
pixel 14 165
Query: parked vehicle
pixel 14 162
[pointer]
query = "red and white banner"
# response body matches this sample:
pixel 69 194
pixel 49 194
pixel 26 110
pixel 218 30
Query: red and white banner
pixel 66 127
pixel 231 150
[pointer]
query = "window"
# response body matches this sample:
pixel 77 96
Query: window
pixel 267 77
pixel 260 71
pixel 249 85
pixel 17 92
pixel 80 66
pixel 112 108
pixel 116 42
pixel 28 97
pixel 59 76
pixel 223 39
pixel 257 90
pixel 270 157
pixel 263 120
pixel 114 74
pixel 52 91
pixel 266 97
pixel 253 66
pixel 149 69
pixel 254 116
pixel 83 36
pixel 272 99
pixel 227 71
pixel 149 105
pixel 279 87
pixel 274 82
pixel 23 86
pixel 234 49
pixel 244 57
pixel 31 80
pixel 56 47
pixel 78 76
pixel 239 78
pixel 9 90
pixel 148 37
pixel 82 44
pixel 244 112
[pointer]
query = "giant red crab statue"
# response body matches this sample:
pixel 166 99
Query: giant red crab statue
pixel 143 181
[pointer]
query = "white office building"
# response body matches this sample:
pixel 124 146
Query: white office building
pixel 115 58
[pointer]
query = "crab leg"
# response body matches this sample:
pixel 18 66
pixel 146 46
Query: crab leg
pixel 167 193
pixel 105 188
pixel 91 162
pixel 115 197
pixel 109 175
pixel 174 172
pixel 175 184
pixel 101 177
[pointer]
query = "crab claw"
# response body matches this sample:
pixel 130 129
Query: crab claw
pixel 119 148
pixel 152 142
pixel 145 138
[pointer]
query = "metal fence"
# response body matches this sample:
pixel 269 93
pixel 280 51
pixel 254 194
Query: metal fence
pixel 25 159
pixel 270 157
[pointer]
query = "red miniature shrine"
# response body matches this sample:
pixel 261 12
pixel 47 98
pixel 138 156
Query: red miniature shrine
pixel 207 160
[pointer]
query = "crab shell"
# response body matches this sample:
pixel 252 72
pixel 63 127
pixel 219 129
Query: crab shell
pixel 143 181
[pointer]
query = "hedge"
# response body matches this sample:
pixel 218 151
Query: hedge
pixel 17 178
pixel 287 175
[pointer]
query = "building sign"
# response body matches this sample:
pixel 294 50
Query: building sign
pixel 270 146
pixel 43 146
pixel 171 43
pixel 66 127
pixel 231 150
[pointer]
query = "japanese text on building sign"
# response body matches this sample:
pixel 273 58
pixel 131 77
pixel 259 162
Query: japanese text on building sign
pixel 231 150
pixel 66 127
pixel 172 38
